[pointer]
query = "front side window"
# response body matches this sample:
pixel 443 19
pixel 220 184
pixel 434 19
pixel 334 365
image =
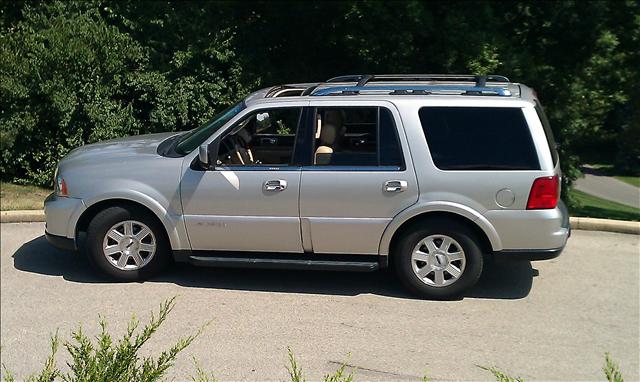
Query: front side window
pixel 265 137
pixel 356 136
pixel 194 138
pixel 479 138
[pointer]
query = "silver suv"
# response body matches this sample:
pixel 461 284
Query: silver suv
pixel 431 174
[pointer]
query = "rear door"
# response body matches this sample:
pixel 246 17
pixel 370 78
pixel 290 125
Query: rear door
pixel 359 177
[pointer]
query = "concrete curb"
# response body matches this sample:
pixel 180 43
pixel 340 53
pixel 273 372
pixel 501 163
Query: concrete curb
pixel 586 224
pixel 23 216
pixel 592 224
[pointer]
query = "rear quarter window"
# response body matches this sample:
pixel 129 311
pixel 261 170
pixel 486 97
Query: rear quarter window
pixel 479 138
pixel 551 142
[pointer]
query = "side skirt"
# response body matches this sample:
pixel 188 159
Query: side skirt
pixel 352 263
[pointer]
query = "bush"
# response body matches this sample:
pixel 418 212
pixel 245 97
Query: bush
pixel 107 361
pixel 70 78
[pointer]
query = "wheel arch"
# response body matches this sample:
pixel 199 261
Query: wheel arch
pixel 489 239
pixel 155 211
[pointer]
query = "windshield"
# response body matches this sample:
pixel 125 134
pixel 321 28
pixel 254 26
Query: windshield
pixel 195 137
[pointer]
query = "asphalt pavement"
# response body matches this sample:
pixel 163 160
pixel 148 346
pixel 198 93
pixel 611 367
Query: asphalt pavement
pixel 596 183
pixel 551 320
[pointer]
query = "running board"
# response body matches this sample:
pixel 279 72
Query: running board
pixel 283 263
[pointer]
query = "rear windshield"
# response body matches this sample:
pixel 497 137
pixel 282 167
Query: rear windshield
pixel 553 147
pixel 479 138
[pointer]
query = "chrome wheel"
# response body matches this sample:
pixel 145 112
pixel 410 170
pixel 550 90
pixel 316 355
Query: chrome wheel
pixel 438 260
pixel 129 245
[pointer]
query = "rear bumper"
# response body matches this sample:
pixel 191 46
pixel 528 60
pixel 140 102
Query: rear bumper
pixel 527 254
pixel 531 230
pixel 539 254
pixel 61 242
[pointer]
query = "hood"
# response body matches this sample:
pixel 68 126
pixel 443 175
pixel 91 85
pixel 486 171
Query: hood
pixel 120 147
pixel 124 150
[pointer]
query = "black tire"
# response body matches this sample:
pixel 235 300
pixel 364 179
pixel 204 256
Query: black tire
pixel 466 238
pixel 102 223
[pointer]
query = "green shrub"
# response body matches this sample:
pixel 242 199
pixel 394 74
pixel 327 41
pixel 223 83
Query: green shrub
pixel 68 77
pixel 106 360
pixel 611 370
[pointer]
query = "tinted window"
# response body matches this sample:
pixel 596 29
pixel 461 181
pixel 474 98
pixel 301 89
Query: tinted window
pixel 356 136
pixel 478 138
pixel 553 147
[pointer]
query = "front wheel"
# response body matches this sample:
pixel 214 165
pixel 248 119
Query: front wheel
pixel 438 259
pixel 127 244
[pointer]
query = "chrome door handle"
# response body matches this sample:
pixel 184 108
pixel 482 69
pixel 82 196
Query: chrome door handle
pixel 395 185
pixel 275 185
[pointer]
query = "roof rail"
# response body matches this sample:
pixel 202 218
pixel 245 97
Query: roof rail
pixel 363 79
pixel 415 90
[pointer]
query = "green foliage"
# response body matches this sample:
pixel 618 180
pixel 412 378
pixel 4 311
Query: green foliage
pixel 106 360
pixel 68 76
pixel 500 375
pixel 611 369
pixel 295 371
pixel 76 72
pixel 296 374
pixel 201 375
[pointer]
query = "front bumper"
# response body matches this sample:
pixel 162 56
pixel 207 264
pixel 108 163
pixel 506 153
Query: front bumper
pixel 62 214
pixel 61 242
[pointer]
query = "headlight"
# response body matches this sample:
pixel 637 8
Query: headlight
pixel 61 185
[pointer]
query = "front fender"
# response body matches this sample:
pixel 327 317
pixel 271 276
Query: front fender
pixel 168 211
pixel 439 206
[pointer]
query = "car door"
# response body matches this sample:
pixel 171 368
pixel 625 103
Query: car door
pixel 359 177
pixel 248 201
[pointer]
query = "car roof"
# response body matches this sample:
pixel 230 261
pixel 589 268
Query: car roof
pixel 398 86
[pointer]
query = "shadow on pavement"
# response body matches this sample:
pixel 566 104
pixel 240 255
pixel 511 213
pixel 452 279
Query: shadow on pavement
pixel 499 281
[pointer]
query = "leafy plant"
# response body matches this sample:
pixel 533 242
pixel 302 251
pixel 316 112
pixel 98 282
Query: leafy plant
pixel 611 369
pixel 296 374
pixel 295 371
pixel 500 375
pixel 106 360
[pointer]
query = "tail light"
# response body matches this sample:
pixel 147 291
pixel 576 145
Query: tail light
pixel 545 193
pixel 61 186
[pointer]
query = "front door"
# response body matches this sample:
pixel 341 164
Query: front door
pixel 248 201
pixel 359 178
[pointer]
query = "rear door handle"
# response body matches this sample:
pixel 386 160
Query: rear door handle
pixel 395 185
pixel 275 185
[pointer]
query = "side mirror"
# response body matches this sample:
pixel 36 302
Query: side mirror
pixel 207 155
pixel 203 155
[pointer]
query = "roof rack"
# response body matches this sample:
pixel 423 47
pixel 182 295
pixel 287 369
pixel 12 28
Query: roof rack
pixel 363 79
pixel 412 90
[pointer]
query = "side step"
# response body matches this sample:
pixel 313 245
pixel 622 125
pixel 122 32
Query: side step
pixel 284 263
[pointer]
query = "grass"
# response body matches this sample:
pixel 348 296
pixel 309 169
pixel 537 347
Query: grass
pixel 609 170
pixel 595 207
pixel 632 180
pixel 18 197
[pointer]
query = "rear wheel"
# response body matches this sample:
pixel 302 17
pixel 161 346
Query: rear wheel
pixel 127 244
pixel 438 259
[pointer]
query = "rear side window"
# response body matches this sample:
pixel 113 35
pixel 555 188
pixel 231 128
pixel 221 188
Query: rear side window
pixel 478 138
pixel 553 147
pixel 356 137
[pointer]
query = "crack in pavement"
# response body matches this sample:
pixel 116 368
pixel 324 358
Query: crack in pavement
pixel 375 371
